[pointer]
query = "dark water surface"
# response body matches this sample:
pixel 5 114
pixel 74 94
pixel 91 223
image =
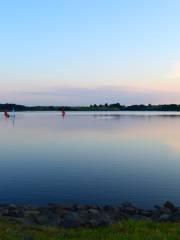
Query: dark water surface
pixel 103 158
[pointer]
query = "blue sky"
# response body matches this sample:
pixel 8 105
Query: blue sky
pixel 81 52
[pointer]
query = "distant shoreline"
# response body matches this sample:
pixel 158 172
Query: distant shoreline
pixel 106 107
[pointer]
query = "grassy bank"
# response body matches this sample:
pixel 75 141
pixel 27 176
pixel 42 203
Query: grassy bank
pixel 123 231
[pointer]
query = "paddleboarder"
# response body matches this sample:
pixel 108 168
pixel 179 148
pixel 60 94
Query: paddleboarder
pixel 6 114
pixel 63 113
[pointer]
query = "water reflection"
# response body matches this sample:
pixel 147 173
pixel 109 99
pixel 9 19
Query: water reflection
pixel 92 158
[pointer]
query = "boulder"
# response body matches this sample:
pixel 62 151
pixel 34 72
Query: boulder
pixel 157 207
pixel 175 217
pixel 147 213
pixel 130 210
pixel 170 206
pixel 72 220
pixel 138 217
pixel 164 218
pixel 93 211
pixel 81 207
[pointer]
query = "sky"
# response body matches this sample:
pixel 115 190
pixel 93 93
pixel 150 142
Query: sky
pixel 81 52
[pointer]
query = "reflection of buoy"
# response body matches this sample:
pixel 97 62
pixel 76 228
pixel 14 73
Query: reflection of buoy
pixel 6 114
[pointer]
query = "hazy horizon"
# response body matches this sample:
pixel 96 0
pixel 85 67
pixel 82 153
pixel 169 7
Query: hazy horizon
pixel 89 52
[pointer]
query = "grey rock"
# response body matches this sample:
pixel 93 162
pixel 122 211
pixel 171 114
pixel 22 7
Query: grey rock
pixel 138 217
pixel 108 207
pixel 41 219
pixel 72 220
pixel 115 214
pixel 93 207
pixel 170 206
pixel 72 216
pixel 67 206
pixel 165 210
pixel 157 207
pixel 61 212
pixel 31 212
pixel 61 206
pixel 103 221
pixel 93 211
pixel 147 213
pixel 13 206
pixel 164 217
pixel 70 224
pixel 82 207
pixel 128 204
pixel 129 210
pixel 16 213
pixel 175 217
pixel 4 212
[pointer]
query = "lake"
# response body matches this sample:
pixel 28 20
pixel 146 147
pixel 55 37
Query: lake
pixel 90 157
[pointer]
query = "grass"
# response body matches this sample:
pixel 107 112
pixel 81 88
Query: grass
pixel 127 230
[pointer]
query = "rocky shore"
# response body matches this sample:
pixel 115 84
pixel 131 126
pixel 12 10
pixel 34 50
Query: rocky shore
pixel 73 215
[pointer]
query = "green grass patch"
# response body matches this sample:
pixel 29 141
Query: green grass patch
pixel 127 230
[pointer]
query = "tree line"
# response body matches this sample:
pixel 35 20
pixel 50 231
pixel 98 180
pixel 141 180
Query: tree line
pixel 94 107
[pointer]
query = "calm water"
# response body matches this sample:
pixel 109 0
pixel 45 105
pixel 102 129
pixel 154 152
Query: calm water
pixel 104 158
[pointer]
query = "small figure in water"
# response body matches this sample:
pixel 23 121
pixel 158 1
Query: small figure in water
pixel 6 114
pixel 63 113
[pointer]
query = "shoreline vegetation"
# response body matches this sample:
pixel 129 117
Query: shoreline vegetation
pixel 105 107
pixel 125 230
pixel 90 222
